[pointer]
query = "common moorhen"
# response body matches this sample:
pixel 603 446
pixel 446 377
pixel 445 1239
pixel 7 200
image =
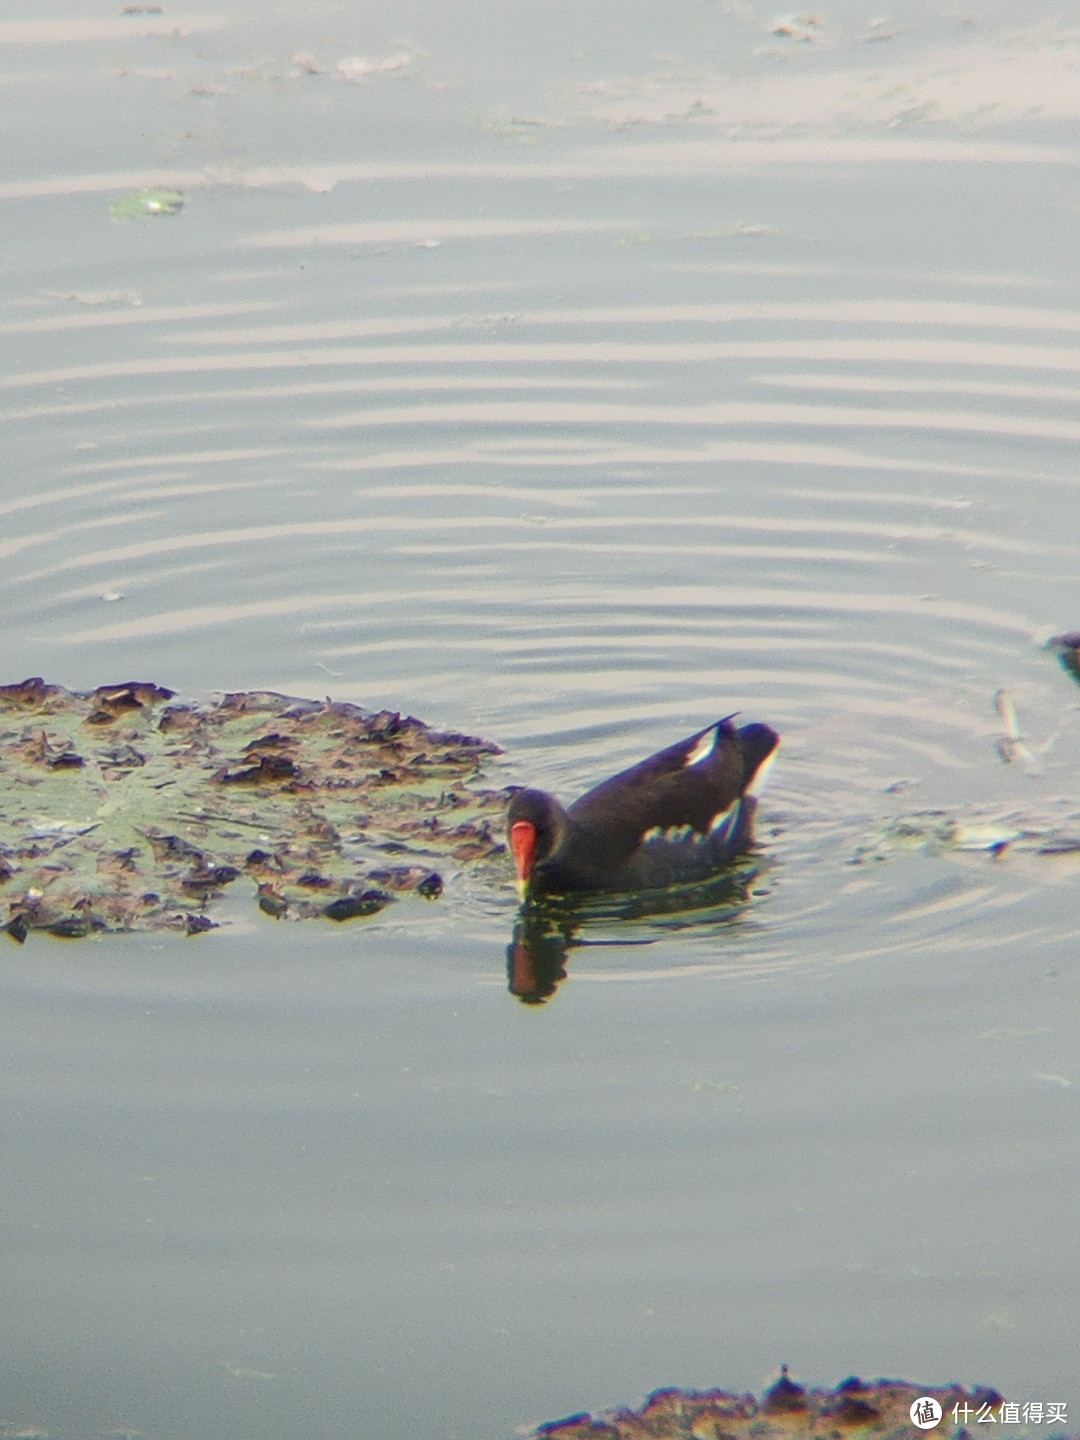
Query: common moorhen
pixel 673 819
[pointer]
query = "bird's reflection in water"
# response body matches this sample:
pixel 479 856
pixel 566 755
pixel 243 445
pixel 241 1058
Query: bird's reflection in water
pixel 546 930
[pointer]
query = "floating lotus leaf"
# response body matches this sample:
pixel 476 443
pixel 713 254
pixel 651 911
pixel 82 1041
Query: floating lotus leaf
pixel 881 1409
pixel 126 809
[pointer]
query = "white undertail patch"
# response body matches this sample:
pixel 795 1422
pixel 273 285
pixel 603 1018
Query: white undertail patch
pixel 719 821
pixel 704 747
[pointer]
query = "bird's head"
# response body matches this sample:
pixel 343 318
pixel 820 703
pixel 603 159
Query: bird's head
pixel 535 822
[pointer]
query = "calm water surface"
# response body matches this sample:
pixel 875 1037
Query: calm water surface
pixel 572 386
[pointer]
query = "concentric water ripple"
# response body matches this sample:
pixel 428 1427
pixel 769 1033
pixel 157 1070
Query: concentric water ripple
pixel 580 480
pixel 571 380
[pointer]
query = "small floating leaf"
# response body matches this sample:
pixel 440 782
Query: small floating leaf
pixel 431 887
pixel 349 907
pixel 70 928
pixel 143 204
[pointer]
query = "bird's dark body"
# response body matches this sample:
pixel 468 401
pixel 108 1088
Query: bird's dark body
pixel 675 818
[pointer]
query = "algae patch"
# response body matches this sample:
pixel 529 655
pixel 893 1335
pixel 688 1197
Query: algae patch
pixel 126 809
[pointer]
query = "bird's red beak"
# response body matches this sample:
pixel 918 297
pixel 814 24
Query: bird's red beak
pixel 523 844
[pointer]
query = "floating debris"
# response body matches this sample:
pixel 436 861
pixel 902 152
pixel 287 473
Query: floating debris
pixel 879 29
pixel 144 204
pixel 246 1372
pixel 97 297
pixel 1067 649
pixel 359 67
pixel 1010 746
pixel 733 230
pixel 931 832
pixel 125 808
pixel 801 27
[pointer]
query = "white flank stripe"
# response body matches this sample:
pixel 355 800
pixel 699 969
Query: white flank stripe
pixel 673 835
pixel 704 747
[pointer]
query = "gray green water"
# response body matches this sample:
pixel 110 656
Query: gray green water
pixel 570 384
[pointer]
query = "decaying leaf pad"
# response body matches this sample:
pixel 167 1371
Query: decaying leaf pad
pixel 873 1409
pixel 125 809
